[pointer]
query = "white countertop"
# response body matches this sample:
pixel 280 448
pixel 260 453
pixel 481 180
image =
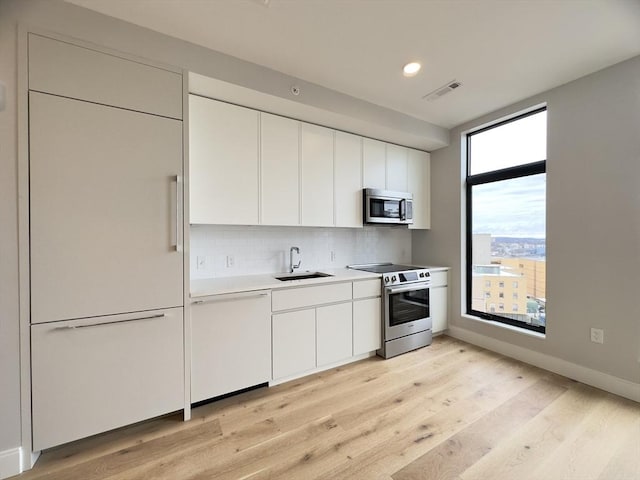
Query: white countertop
pixel 245 283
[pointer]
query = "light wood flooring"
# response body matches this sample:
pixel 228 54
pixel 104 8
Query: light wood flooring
pixel 448 411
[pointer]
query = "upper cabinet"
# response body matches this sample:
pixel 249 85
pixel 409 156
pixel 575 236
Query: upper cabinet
pixel 255 168
pixel 77 72
pixel 419 184
pixel 317 176
pixel 279 170
pixel 397 168
pixel 374 164
pixel 223 153
pixel 347 184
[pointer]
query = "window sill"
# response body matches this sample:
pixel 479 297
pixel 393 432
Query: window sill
pixel 505 326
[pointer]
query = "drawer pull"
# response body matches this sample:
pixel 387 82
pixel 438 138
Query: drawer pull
pixel 230 299
pixel 73 327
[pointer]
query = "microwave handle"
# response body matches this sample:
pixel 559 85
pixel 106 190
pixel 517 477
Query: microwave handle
pixel 403 209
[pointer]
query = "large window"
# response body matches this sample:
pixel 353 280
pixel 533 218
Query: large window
pixel 506 221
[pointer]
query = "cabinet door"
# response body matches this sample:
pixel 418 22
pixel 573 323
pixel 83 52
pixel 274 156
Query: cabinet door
pixel 294 342
pixel 348 180
pixel 420 187
pixel 317 176
pixel 279 170
pixel 231 344
pixel 397 158
pixel 104 210
pixel 93 375
pixel 223 159
pixel 374 164
pixel 334 333
pixel 367 326
pixel 77 72
pixel 439 308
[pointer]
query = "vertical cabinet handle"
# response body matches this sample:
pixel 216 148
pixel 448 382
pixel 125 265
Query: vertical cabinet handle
pixel 178 244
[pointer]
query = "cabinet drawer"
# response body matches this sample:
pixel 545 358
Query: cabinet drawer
pixel 439 279
pixel 367 288
pixel 77 72
pixel 230 344
pixel 93 375
pixel 310 296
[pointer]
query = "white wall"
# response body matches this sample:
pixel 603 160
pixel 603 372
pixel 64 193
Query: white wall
pixel 593 223
pixel 258 250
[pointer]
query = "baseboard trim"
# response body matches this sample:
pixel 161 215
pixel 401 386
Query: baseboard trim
pixel 603 381
pixel 10 463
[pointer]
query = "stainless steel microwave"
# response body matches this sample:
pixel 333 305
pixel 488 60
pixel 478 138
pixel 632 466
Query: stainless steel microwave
pixel 386 207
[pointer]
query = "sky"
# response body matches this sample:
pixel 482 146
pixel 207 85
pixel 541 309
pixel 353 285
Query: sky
pixel 513 208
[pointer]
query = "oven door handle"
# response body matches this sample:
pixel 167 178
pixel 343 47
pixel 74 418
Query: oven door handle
pixel 411 288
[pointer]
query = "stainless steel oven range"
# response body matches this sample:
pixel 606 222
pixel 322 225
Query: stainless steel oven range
pixel 405 307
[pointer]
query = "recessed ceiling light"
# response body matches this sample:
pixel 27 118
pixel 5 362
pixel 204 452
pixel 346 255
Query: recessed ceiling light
pixel 411 69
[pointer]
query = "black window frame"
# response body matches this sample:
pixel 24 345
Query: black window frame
pixel 508 173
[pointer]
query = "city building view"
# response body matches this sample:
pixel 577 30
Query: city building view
pixel 508 277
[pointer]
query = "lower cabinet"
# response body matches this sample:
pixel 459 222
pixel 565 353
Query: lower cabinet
pixel 96 374
pixel 294 342
pixel 322 325
pixel 367 325
pixel 334 333
pixel 230 344
pixel 438 301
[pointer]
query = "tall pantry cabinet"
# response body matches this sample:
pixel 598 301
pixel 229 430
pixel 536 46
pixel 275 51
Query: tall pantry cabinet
pixel 106 230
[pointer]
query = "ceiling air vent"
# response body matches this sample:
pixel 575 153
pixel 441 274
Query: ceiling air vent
pixel 441 91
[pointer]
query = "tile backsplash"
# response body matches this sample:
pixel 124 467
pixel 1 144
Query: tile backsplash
pixel 223 250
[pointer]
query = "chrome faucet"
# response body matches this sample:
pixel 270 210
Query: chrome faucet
pixel 292 267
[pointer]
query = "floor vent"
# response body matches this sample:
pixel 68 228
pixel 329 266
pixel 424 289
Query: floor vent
pixel 441 91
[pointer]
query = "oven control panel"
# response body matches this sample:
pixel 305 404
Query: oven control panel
pixel 408 276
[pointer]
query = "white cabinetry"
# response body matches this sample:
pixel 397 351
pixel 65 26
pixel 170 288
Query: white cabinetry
pixel 317 176
pixel 279 170
pixel 397 168
pixel 294 342
pixel 334 333
pixel 419 184
pixel 367 310
pixel 321 325
pixel 231 343
pixel 93 375
pixel 106 230
pixel 367 326
pixel 223 155
pixel 315 335
pixel 348 180
pixel 249 167
pixel 438 301
pixel 374 164
pixel 73 71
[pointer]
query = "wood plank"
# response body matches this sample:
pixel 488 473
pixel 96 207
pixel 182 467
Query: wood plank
pixel 462 450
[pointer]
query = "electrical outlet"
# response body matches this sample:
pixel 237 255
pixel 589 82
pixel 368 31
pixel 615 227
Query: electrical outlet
pixel 230 261
pixel 201 262
pixel 333 256
pixel 597 335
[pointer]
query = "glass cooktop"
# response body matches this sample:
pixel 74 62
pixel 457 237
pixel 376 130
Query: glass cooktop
pixel 384 268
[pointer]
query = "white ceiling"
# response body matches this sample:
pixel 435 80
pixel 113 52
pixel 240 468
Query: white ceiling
pixel 502 51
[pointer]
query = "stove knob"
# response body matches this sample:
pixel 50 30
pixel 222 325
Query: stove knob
pixel 421 274
pixel 386 279
pixel 393 279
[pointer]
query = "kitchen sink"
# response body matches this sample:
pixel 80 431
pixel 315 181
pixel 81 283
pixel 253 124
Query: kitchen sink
pixel 302 276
